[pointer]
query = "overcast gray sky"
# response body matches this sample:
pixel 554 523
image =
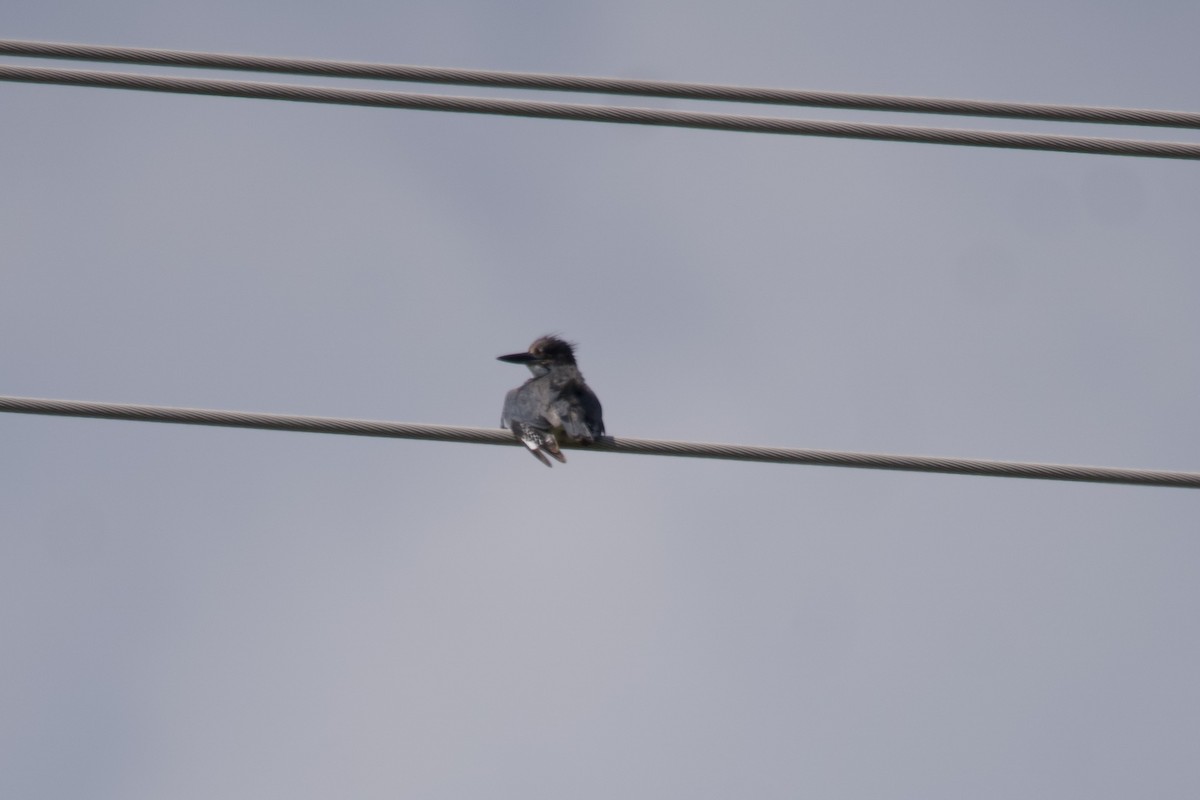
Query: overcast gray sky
pixel 196 613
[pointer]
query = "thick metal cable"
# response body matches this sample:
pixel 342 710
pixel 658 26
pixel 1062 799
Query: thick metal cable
pixel 619 86
pixel 651 447
pixel 617 114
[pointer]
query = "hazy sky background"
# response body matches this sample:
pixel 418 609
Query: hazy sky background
pixel 196 613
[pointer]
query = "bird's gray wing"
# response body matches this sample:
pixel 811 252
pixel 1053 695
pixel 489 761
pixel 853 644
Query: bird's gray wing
pixel 524 406
pixel 579 409
pixel 506 416
pixel 593 415
pixel 523 414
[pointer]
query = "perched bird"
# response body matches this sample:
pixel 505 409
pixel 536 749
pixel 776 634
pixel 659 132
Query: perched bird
pixel 555 405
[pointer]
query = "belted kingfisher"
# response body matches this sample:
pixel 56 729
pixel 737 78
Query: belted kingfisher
pixel 553 406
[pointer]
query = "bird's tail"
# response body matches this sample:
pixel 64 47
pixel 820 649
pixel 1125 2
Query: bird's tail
pixel 540 443
pixel 541 454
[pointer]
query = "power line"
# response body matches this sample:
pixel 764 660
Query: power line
pixel 653 447
pixel 619 86
pixel 598 113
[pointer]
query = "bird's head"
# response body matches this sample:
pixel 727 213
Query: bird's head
pixel 545 353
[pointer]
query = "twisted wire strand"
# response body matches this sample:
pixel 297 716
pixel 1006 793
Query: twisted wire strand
pixel 653 447
pixel 596 113
pixel 617 86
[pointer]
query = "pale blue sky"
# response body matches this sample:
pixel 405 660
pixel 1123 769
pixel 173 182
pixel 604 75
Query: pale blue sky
pixel 196 613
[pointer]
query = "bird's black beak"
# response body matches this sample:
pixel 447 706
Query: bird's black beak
pixel 516 358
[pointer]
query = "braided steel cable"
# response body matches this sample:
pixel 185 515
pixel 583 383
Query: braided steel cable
pixel 652 447
pixel 595 113
pixel 617 86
